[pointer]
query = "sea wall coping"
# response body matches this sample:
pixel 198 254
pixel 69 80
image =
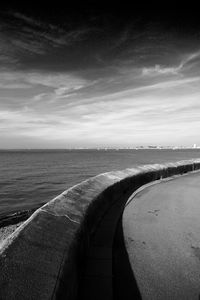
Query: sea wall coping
pixel 42 258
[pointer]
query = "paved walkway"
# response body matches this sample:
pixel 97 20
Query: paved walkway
pixel 162 234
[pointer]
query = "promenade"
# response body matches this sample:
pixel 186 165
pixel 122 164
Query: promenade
pixel 161 228
pixel 111 237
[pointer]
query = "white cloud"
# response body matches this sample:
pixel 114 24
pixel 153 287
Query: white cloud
pixel 55 80
pixel 159 70
pixel 186 61
pixel 143 117
pixel 158 109
pixel 63 90
pixel 189 58
pixel 60 82
pixel 39 97
pixel 31 36
pixel 27 19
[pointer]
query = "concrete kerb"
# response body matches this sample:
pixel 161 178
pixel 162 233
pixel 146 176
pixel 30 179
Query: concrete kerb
pixel 48 248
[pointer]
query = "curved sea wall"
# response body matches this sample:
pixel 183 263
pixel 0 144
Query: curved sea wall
pixel 43 258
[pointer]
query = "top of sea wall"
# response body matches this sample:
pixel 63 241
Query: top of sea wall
pixel 42 257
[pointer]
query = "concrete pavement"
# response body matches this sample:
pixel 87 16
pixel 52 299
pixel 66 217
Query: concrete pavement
pixel 162 235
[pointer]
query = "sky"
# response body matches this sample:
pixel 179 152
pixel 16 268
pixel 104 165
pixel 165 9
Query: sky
pixel 87 76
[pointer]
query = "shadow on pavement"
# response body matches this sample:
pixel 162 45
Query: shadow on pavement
pixel 124 283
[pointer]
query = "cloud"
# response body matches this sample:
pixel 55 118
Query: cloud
pixel 40 91
pixel 55 80
pixel 159 70
pixel 27 45
pixel 27 19
pixel 60 82
pixel 190 58
pixel 147 114
pixel 30 36
pixel 129 101
pixel 187 62
pixel 176 83
pixel 64 90
pixel 52 33
pixel 39 97
pixel 13 80
pixel 6 59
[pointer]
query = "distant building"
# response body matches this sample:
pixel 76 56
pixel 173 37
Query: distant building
pixel 194 146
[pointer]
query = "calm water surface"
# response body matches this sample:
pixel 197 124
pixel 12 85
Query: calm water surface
pixel 29 178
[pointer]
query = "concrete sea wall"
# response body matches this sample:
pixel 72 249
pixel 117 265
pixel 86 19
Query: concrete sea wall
pixel 43 258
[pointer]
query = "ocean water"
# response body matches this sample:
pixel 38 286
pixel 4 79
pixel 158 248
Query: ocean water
pixel 31 178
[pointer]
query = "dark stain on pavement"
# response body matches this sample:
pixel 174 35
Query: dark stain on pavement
pixel 130 239
pixel 196 251
pixel 155 212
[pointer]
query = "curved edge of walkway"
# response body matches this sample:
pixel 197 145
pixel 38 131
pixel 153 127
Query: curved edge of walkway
pixel 44 258
pixel 161 233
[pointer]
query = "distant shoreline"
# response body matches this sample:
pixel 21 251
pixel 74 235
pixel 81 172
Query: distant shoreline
pixel 101 149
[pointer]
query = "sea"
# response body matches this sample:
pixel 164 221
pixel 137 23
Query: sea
pixel 30 178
